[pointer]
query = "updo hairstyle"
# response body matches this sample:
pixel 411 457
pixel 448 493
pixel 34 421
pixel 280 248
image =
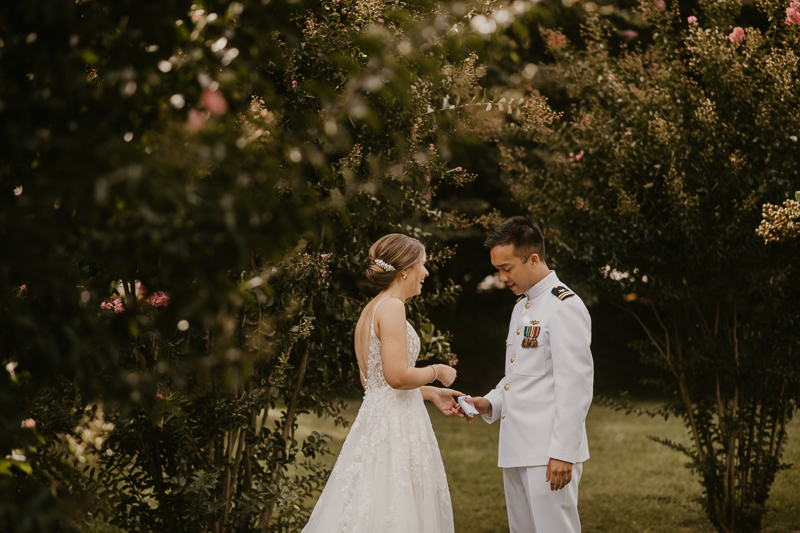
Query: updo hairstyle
pixel 396 249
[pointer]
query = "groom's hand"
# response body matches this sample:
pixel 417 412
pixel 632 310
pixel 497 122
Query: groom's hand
pixel 559 474
pixel 481 404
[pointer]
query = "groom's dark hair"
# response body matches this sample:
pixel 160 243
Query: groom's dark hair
pixel 523 233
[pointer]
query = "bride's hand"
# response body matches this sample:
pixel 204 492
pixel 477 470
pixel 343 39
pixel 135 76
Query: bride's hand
pixel 446 374
pixel 443 399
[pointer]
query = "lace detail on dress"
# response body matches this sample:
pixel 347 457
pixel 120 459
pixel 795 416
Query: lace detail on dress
pixel 389 476
pixel 375 377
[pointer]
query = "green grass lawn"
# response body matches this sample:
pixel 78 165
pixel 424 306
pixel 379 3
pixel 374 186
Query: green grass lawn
pixel 630 484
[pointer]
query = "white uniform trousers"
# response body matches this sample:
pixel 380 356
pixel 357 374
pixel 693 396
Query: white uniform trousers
pixel 534 508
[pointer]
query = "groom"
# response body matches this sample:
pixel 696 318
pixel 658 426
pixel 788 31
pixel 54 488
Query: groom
pixel 545 395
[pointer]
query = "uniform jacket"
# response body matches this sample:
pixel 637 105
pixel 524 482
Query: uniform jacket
pixel 545 395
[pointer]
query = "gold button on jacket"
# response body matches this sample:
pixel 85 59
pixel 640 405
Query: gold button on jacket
pixel 518 331
pixel 512 359
pixel 527 306
pixel 506 387
pixel 503 416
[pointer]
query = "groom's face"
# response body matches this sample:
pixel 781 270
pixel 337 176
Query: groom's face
pixel 518 276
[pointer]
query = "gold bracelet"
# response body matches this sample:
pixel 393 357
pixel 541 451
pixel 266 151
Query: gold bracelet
pixel 435 374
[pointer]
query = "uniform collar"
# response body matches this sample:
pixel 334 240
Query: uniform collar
pixel 547 282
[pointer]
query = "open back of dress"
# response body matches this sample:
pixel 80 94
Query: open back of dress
pixel 389 476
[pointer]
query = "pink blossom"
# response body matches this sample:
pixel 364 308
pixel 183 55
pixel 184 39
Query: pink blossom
pixel 428 179
pixel 793 13
pixel 736 36
pixel 458 169
pixel 692 20
pixel 196 120
pixel 23 288
pixel 556 39
pixel 630 35
pixel 264 113
pixel 380 20
pixel 660 5
pixel 452 362
pixel 413 87
pixel 627 133
pixel 29 423
pixel 576 157
pixel 322 271
pixel 159 396
pixel 579 203
pixel 158 299
pixel 294 84
pixel 115 305
pixel 323 255
pixel 214 102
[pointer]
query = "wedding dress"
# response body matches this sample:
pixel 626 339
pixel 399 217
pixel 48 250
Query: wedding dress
pixel 389 477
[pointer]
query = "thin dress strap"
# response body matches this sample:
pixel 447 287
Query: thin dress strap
pixel 371 332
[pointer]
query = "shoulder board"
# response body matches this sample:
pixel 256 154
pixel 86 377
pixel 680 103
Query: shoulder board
pixel 562 293
pixel 520 298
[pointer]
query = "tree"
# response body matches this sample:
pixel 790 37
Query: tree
pixel 190 192
pixel 649 189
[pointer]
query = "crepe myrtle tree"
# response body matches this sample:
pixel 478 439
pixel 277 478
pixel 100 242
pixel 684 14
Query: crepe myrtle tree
pixel 650 190
pixel 189 193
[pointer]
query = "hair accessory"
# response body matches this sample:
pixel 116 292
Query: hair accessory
pixel 384 265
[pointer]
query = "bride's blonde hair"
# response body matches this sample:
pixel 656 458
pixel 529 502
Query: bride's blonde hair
pixel 398 250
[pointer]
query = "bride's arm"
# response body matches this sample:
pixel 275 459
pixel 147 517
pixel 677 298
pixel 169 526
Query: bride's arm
pixel 390 323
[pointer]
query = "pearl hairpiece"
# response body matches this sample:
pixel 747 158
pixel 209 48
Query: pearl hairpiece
pixel 384 265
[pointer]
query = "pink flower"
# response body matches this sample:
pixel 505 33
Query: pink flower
pixel 627 133
pixel 793 13
pixel 630 35
pixel 23 288
pixel 556 39
pixel 263 113
pixel 294 84
pixel 576 157
pixel 660 5
pixel 29 423
pixel 413 87
pixel 428 179
pixel 115 305
pixel 196 120
pixel 158 299
pixel 159 396
pixel 692 20
pixel 322 272
pixel 736 36
pixel 323 255
pixel 452 362
pixel 214 102
pixel 380 20
pixel 458 169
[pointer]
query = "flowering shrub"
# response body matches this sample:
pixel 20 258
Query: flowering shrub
pixel 245 155
pixel 682 141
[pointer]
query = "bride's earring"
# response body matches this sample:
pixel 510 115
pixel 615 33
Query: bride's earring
pixel 404 276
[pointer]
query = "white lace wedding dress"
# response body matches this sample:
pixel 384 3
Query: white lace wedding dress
pixel 389 477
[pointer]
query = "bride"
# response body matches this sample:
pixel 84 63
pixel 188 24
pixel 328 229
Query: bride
pixel 389 476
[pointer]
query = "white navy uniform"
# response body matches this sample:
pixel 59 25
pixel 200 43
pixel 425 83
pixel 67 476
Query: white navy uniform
pixel 542 404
